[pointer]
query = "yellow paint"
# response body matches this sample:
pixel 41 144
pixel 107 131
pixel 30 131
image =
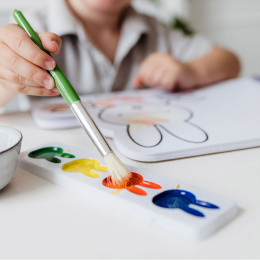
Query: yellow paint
pixel 69 151
pixel 115 192
pixel 85 166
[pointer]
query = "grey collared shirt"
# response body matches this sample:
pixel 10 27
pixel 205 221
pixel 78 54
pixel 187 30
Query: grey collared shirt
pixel 88 69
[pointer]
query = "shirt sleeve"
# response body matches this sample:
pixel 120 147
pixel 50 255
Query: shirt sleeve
pixel 186 48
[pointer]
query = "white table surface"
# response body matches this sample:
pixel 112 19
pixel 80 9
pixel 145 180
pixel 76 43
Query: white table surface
pixel 39 219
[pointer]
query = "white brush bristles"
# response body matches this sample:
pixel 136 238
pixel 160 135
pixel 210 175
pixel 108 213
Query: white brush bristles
pixel 120 175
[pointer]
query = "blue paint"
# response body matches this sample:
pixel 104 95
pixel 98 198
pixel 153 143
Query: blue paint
pixel 181 199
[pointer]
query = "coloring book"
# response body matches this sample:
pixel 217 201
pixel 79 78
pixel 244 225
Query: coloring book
pixel 153 125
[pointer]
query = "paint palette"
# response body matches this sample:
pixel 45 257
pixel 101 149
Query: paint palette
pixel 152 125
pixel 187 211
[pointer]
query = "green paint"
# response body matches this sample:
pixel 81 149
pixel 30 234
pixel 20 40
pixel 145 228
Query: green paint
pixel 49 153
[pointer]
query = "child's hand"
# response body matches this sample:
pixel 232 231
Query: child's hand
pixel 162 70
pixel 22 62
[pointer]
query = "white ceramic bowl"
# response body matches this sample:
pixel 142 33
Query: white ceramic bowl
pixel 10 145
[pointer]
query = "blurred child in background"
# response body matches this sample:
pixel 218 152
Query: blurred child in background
pixel 105 45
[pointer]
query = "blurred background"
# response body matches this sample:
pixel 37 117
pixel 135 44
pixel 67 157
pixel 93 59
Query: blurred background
pixel 234 24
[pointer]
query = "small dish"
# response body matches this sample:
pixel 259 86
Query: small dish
pixel 10 146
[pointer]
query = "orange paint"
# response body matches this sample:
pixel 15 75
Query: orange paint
pixel 148 120
pixel 109 102
pixel 136 179
pixel 178 186
pixel 85 166
pixel 56 108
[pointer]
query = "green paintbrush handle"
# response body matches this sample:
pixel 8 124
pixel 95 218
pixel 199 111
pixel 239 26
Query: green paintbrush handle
pixel 62 83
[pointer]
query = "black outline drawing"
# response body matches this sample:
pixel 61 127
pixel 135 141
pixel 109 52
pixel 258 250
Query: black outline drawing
pixel 128 132
pixel 158 126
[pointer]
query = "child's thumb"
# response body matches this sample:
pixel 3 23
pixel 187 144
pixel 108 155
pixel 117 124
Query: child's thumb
pixel 51 42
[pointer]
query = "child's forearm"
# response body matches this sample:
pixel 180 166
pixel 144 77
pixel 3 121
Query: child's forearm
pixel 217 65
pixel 5 96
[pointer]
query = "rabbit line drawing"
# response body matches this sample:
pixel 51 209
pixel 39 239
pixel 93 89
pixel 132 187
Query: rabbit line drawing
pixel 148 124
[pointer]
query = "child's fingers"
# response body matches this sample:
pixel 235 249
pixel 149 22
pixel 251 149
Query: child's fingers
pixel 16 78
pixel 169 81
pixel 20 42
pixel 17 64
pixel 148 76
pixel 27 90
pixel 144 75
pixel 157 77
pixel 137 82
pixel 51 42
pixel 167 78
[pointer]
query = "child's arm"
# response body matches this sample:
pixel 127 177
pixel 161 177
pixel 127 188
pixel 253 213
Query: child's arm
pixel 162 70
pixel 22 63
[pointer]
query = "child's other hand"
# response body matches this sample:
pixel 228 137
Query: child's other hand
pixel 22 62
pixel 163 71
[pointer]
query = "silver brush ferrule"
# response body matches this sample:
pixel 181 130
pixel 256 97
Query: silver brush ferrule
pixel 90 127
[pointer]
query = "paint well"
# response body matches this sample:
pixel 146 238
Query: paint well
pixel 136 179
pixel 86 166
pixel 181 199
pixel 49 154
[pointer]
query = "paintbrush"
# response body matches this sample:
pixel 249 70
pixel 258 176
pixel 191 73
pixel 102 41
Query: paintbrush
pixel 119 173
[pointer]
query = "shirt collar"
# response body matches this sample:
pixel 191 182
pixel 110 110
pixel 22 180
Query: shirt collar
pixel 61 20
pixel 136 22
pixel 134 26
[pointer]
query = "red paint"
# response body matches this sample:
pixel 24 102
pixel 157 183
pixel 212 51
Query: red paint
pixel 136 179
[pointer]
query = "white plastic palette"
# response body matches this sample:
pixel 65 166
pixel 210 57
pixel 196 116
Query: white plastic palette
pixel 186 210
